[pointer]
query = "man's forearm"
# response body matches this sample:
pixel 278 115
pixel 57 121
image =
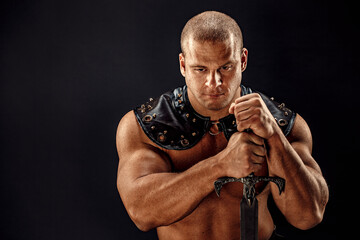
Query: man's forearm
pixel 305 196
pixel 160 199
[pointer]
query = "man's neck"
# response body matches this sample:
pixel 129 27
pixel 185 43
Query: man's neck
pixel 216 115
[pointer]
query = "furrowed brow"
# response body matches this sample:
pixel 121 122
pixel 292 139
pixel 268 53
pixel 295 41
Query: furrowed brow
pixel 230 62
pixel 197 66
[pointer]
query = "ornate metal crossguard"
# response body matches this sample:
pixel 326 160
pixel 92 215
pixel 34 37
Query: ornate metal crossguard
pixel 249 210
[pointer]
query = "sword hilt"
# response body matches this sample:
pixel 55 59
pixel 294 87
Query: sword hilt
pixel 249 185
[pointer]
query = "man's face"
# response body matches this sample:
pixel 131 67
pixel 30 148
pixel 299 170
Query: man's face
pixel 213 73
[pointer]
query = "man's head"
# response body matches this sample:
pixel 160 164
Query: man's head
pixel 213 27
pixel 212 62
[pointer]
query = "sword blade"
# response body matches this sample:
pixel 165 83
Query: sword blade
pixel 249 219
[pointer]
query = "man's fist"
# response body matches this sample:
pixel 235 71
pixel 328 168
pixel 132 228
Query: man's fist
pixel 252 113
pixel 244 154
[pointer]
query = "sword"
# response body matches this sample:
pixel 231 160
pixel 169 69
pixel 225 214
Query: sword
pixel 249 203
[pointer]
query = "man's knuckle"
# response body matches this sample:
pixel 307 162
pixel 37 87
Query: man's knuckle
pixel 238 115
pixel 257 95
pixel 258 100
pixel 258 111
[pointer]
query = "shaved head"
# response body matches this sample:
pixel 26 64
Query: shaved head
pixel 213 27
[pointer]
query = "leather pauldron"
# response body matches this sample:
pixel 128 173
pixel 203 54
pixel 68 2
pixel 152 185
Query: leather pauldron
pixel 172 123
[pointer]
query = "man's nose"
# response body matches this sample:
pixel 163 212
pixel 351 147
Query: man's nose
pixel 213 79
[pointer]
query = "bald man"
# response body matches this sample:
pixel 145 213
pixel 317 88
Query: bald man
pixel 172 148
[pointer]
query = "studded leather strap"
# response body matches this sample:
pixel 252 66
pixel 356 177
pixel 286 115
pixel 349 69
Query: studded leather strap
pixel 172 123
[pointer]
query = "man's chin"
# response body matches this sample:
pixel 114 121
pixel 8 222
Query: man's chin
pixel 216 106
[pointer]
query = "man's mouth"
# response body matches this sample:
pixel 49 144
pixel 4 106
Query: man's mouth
pixel 214 95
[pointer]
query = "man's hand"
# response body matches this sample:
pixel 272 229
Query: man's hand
pixel 251 112
pixel 244 154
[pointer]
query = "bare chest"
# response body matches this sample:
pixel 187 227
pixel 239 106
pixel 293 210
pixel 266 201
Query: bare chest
pixel 218 218
pixel 207 147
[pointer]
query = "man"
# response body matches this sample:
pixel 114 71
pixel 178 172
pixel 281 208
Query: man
pixel 172 148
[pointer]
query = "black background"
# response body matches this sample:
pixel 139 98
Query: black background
pixel 71 69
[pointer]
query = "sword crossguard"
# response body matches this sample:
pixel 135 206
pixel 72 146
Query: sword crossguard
pixel 249 185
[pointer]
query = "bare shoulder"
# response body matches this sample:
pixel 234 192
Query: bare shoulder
pixel 137 154
pixel 301 132
pixel 128 132
pixel 130 137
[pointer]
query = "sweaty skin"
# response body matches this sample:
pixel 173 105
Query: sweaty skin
pixel 173 190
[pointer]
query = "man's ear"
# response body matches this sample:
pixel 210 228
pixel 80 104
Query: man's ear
pixel 244 59
pixel 182 63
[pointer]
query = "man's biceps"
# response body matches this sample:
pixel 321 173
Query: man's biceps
pixel 145 162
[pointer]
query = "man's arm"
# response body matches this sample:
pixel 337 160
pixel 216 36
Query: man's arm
pixel 152 194
pixel 306 193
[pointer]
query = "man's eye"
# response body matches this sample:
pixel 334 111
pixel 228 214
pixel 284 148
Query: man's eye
pixel 226 67
pixel 200 69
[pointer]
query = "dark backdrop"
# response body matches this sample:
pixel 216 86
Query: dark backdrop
pixel 71 69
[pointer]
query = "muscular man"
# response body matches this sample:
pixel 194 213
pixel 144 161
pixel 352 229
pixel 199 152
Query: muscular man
pixel 174 147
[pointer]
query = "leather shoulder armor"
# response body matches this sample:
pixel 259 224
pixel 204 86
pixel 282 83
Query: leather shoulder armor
pixel 172 123
pixel 284 117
